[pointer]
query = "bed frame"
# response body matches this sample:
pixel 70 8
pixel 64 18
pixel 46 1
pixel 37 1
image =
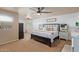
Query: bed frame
pixel 44 40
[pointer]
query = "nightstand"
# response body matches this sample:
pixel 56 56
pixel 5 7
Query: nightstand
pixel 63 35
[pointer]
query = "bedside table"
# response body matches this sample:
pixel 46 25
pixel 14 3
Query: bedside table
pixel 63 35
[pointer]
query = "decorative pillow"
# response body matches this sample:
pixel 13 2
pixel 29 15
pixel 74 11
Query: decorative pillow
pixel 49 29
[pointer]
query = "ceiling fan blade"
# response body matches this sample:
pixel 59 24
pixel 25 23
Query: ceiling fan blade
pixel 33 9
pixel 42 8
pixel 39 10
pixel 45 12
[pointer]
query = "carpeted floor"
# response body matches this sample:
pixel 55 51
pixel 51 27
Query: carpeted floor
pixel 32 46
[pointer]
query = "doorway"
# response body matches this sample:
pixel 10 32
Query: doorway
pixel 21 31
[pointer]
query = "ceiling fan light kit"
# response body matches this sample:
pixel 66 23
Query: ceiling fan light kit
pixel 38 13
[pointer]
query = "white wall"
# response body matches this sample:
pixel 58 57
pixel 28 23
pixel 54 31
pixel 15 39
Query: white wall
pixel 36 22
pixel 12 33
pixel 69 19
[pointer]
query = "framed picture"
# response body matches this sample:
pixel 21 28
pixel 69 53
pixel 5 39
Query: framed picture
pixel 51 20
pixel 5 25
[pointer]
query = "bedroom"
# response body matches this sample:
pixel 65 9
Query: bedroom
pixel 53 26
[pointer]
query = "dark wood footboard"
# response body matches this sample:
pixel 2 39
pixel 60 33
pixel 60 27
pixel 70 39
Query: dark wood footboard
pixel 44 40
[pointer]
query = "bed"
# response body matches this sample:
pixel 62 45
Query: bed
pixel 46 37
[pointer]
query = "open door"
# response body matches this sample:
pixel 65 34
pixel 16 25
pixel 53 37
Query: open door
pixel 21 31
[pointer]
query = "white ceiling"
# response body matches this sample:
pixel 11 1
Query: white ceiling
pixel 13 9
pixel 27 11
pixel 62 10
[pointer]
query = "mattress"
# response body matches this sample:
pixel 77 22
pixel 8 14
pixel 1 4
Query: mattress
pixel 47 34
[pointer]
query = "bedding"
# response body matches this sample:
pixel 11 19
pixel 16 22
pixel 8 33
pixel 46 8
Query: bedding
pixel 47 34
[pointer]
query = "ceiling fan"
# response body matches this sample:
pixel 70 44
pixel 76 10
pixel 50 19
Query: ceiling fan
pixel 40 10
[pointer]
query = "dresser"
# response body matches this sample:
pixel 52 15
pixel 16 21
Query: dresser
pixel 64 35
pixel 64 31
pixel 75 41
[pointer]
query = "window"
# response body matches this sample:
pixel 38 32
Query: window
pixel 5 18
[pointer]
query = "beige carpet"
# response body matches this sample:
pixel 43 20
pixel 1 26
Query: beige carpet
pixel 32 46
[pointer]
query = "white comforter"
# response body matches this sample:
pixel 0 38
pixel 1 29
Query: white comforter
pixel 51 35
